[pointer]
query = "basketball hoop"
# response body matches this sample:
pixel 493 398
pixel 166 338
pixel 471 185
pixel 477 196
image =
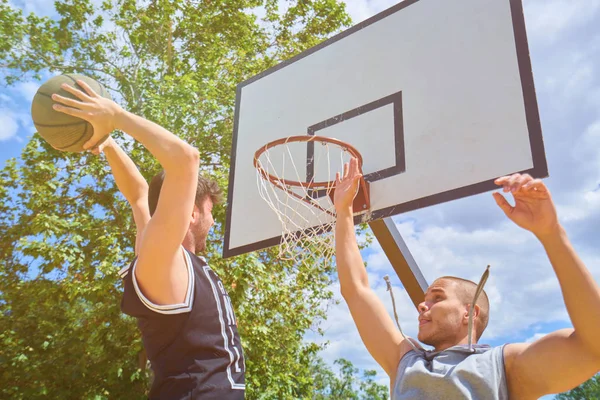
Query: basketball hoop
pixel 298 183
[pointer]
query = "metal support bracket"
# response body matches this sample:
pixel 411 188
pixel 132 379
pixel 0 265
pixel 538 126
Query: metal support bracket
pixel 402 261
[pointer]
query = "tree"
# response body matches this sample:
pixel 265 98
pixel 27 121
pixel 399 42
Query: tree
pixel 347 385
pixel 588 390
pixel 66 230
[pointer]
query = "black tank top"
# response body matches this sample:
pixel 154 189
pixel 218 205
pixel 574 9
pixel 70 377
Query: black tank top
pixel 194 347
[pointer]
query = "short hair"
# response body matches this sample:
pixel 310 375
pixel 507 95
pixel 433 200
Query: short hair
pixel 206 188
pixel 466 293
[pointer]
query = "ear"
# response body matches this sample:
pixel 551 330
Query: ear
pixel 195 214
pixel 476 312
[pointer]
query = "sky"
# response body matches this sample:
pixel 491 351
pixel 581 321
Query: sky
pixel 463 236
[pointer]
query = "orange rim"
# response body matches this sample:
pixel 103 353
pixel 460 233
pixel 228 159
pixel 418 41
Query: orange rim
pixel 303 138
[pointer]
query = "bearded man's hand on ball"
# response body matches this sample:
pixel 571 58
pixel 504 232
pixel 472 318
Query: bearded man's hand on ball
pixel 99 111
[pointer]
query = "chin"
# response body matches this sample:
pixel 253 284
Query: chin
pixel 426 339
pixel 200 247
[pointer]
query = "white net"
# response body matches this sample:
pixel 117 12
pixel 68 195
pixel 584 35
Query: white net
pixel 286 175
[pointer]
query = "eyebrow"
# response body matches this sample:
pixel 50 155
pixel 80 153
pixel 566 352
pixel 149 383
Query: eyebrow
pixel 436 290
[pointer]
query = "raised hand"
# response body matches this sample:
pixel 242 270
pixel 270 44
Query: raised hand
pixel 99 111
pixel 346 187
pixel 534 209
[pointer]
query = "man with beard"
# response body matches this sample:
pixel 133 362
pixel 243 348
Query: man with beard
pixel 457 368
pixel 183 311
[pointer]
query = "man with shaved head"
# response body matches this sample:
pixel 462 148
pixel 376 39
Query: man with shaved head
pixel 458 367
pixel 439 333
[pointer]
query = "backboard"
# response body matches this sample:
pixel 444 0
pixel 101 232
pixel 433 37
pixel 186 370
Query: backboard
pixel 437 95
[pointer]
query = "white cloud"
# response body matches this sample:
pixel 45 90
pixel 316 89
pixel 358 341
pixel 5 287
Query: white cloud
pixel 594 98
pixel 580 79
pixel 580 211
pixel 522 287
pixel 569 76
pixel 535 337
pixel 360 10
pixel 547 20
pixel 342 335
pixel 586 148
pixel 27 89
pixel 43 8
pixel 8 125
pixel 15 118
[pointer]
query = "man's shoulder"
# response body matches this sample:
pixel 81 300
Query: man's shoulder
pixel 516 381
pixel 511 352
pixel 197 260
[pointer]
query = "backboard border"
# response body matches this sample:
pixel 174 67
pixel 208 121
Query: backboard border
pixel 539 170
pixel 395 99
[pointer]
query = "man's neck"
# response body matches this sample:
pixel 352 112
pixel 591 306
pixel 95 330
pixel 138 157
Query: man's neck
pixel 463 341
pixel 189 243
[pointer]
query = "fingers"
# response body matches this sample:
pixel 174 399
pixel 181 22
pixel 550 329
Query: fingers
pixel 350 172
pixel 502 203
pixel 351 169
pixel 518 182
pixel 337 178
pixel 354 167
pixel 76 92
pixel 69 102
pixel 535 185
pixel 87 88
pixel 513 183
pixel 70 111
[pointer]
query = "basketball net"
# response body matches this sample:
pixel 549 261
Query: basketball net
pixel 299 188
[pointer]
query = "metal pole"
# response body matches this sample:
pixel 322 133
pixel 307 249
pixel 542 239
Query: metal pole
pixel 402 261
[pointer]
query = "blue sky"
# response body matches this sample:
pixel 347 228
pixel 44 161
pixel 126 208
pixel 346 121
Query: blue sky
pixel 462 237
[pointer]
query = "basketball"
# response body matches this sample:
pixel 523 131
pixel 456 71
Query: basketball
pixel 63 132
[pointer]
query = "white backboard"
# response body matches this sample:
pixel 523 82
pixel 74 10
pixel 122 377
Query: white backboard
pixel 437 95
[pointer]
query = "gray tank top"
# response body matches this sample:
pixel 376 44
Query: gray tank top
pixel 455 373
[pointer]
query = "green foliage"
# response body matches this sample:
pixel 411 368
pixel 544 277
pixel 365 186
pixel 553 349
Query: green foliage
pixel 588 390
pixel 347 385
pixel 66 230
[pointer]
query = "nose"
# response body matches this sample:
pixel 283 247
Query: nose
pixel 422 307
